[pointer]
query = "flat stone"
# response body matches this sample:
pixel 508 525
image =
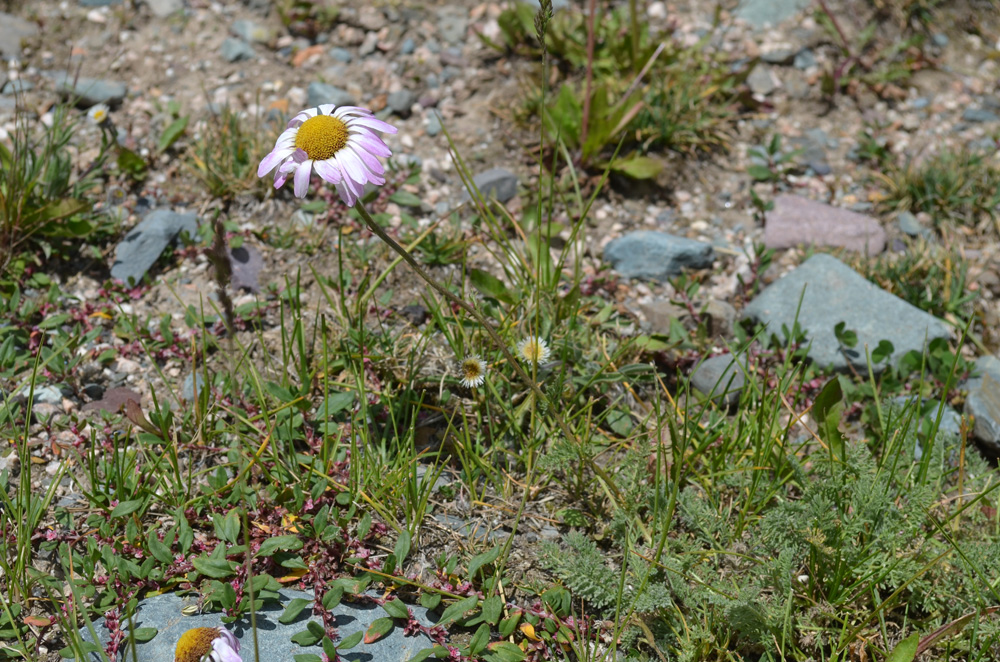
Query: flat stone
pixel 762 80
pixel 781 56
pixel 979 115
pixel 761 13
pixel 661 314
pixel 113 400
pixel 983 403
pixel 14 30
pixel 90 91
pixel 188 387
pixel 164 612
pixel 657 255
pixel 721 377
pixel 796 221
pixel 99 3
pixel 911 226
pixel 235 50
pixel 141 247
pixel 831 292
pixel 251 31
pixel 804 59
pixel 721 318
pixel 433 123
pixel 498 183
pixel 46 395
pixel 246 263
pixel 452 24
pixel 320 93
pixel 17 86
pixel 341 55
pixel 401 102
pixel 164 8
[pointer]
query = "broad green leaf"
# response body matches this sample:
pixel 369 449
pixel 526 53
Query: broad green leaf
pixel 310 636
pixel 492 608
pixel 172 133
pixel 405 199
pixel 378 629
pixel 480 560
pixel 504 651
pixel 638 167
pixel 402 547
pixel 214 568
pixel 350 641
pixel 905 650
pixel 126 508
pixel 458 609
pixel 491 286
pixel 826 410
pixel 479 640
pixel 430 600
pixel 143 635
pixel 396 608
pixel 292 610
pixel 287 543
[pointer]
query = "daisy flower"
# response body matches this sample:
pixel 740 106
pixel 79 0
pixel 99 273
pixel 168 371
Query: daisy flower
pixel 99 113
pixel 340 144
pixel 533 350
pixel 473 371
pixel 207 645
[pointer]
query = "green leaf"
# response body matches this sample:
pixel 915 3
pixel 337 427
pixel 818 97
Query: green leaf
pixel 479 640
pixel 378 629
pixel 292 610
pixel 480 560
pixel 905 650
pixel 458 609
pixel 143 635
pixel 491 286
pixel 159 551
pixel 402 547
pixel 430 600
pixel 214 568
pixel 826 410
pixel 396 608
pixel 287 543
pixel 172 133
pixel 504 651
pixel 308 657
pixel 310 636
pixel 350 641
pixel 230 527
pixel 332 597
pixel 509 624
pixel 883 351
pixel 405 199
pixel 131 164
pixel 760 173
pixel 334 404
pixel 638 167
pixel 126 508
pixel 492 608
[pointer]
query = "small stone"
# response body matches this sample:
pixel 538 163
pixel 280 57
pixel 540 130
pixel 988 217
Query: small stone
pixel 498 183
pixel 920 103
pixel 415 314
pixel 804 59
pixel 657 10
pixel 235 50
pixel 90 91
pixel 795 221
pixel 762 80
pixel 761 13
pixel 99 3
pixel 911 226
pixel 821 293
pixel 401 102
pixel 940 40
pixel 983 403
pixel 246 263
pixel 661 314
pixel 782 56
pixel 251 31
pixel 721 377
pixel 371 18
pixel 979 115
pixel 452 24
pixel 319 93
pixel 165 8
pixel 113 400
pixel 141 247
pixel 18 86
pixel 188 388
pixel 408 46
pixel 341 54
pixel 433 123
pixel 721 318
pixel 14 30
pixel 93 391
pixel 657 255
pixel 367 46
pixel 46 395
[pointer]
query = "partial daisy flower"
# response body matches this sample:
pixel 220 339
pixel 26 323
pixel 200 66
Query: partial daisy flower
pixel 341 144
pixel 473 371
pixel 533 350
pixel 99 113
pixel 207 645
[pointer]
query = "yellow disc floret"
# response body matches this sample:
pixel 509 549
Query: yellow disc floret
pixel 321 137
pixel 194 644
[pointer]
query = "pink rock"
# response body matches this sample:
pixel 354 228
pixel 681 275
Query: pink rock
pixel 796 221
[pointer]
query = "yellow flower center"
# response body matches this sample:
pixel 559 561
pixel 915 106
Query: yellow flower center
pixel 321 137
pixel 472 368
pixel 194 643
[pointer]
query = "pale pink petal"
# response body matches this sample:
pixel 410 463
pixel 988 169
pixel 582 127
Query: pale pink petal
pixel 377 180
pixel 366 157
pixel 352 168
pixel 224 651
pixel 369 142
pixel 302 174
pixel 374 124
pixel 230 639
pixel 351 110
pixel 328 171
pixel 272 160
pixel 280 179
pixel 326 108
pixel 346 194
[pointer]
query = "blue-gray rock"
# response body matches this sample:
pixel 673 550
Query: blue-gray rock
pixel 99 3
pixel 433 123
pixel 14 30
pixel 920 103
pixel 721 377
pixel 804 59
pixel 319 93
pixel 18 86
pixel 90 91
pixel 940 39
pixel 831 292
pixel 779 56
pixel 498 183
pixel 164 612
pixel 452 23
pixel 951 420
pixel 761 13
pixel 912 227
pixel 983 403
pixel 979 115
pixel 164 8
pixel 246 263
pixel 188 391
pixel 251 31
pixel 408 46
pixel 556 4
pixel 235 50
pixel 341 54
pixel 141 247
pixel 657 255
pixel 401 102
pixel 762 80
pixel 46 395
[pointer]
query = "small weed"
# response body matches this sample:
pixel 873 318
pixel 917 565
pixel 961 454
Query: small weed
pixel 225 153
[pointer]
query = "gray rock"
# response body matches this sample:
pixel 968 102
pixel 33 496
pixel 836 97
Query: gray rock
pixel 983 403
pixel 762 80
pixel 470 529
pixel 812 145
pixel 498 183
pixel 951 420
pixel 920 103
pixel 940 39
pixel 401 102
pixel 46 395
pixel 141 247
pixel 367 46
pixel 90 91
pixel 796 221
pixel 164 8
pixel 979 115
pixel 721 377
pixel 452 24
pixel 407 47
pixel 804 59
pixel 721 317
pixel 761 13
pixel 235 50
pixel 164 612
pixel 246 262
pixel 320 93
pixel 251 31
pixel 433 123
pixel 99 3
pixel 831 292
pixel 188 388
pixel 93 391
pixel 911 226
pixel 18 86
pixel 657 255
pixel 341 54
pixel 14 30
pixel 779 56
pixel 662 314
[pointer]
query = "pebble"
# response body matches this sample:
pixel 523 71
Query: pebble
pixel 498 183
pixel 251 31
pixel 657 255
pixel 18 86
pixel 236 50
pixel 141 247
pixel 14 29
pixel 979 115
pixel 341 54
pixel 90 91
pixel 433 123
pixel 722 378
pixel 319 93
pixel 796 221
pixel 164 8
pixel 188 388
pixel 804 59
pixel 408 46
pixel 401 102
pixel 983 403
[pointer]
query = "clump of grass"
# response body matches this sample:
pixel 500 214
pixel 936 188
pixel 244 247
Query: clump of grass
pixel 225 154
pixel 956 187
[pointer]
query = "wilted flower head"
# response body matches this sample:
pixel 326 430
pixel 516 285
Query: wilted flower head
pixel 99 113
pixel 533 350
pixel 473 371
pixel 207 645
pixel 341 144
